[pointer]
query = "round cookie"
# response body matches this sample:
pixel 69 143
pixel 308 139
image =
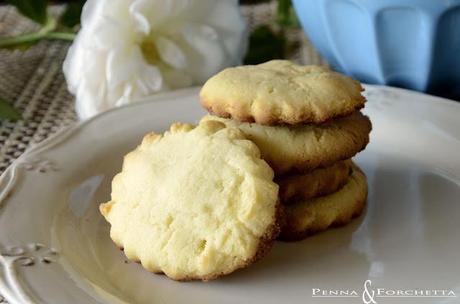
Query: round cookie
pixel 194 203
pixel 303 148
pixel 321 181
pixel 317 214
pixel 281 92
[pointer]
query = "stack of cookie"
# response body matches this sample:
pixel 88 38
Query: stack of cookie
pixel 306 122
pixel 199 202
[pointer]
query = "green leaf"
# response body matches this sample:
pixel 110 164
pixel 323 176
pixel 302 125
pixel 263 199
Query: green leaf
pixel 285 14
pixel 72 13
pixel 33 9
pixel 8 112
pixel 265 45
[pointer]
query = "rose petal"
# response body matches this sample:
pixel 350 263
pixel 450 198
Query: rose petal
pixel 127 65
pixel 170 53
pixel 157 12
pixel 207 54
pixel 232 28
pixel 89 104
pixel 109 34
pixel 150 80
pixel 137 9
pixel 122 65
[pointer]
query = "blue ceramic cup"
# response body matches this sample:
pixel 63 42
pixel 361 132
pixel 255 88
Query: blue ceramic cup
pixel 407 43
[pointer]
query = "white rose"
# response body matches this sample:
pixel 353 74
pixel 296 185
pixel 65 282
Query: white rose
pixel 128 49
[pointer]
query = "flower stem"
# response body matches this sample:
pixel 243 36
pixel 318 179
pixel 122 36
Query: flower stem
pixel 47 32
pixel 61 36
pixel 26 38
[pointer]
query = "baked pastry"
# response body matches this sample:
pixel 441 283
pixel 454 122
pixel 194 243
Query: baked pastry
pixel 303 148
pixel 321 181
pixel 281 92
pixel 317 214
pixel 194 203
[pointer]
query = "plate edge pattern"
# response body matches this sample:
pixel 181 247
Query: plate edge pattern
pixel 13 258
pixel 12 288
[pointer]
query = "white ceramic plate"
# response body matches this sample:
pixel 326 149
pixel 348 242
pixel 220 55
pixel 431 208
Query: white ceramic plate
pixel 55 246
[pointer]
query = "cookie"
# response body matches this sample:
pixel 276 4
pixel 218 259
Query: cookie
pixel 194 203
pixel 321 181
pixel 281 92
pixel 317 214
pixel 303 148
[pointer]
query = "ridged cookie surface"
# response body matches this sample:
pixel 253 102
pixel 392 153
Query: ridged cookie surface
pixel 280 91
pixel 194 203
pixel 321 181
pixel 317 214
pixel 303 148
